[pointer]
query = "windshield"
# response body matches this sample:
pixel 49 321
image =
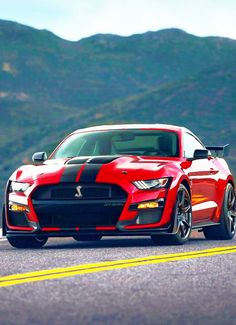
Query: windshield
pixel 120 142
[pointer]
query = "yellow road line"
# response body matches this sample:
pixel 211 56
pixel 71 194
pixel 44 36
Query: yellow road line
pixel 109 265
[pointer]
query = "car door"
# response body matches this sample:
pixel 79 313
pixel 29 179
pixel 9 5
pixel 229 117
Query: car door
pixel 203 177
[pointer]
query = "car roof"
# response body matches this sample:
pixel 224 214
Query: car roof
pixel 133 126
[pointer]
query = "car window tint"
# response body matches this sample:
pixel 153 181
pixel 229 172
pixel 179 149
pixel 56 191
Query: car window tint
pixel 70 147
pixel 148 143
pixel 190 145
pixel 120 142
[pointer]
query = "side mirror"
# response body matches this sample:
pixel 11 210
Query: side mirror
pixel 200 154
pixel 39 157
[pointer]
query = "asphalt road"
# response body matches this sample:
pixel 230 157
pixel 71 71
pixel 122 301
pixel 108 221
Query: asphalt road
pixel 198 290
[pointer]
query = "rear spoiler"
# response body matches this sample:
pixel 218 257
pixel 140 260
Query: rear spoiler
pixel 219 151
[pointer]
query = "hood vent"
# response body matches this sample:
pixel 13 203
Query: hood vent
pixel 92 160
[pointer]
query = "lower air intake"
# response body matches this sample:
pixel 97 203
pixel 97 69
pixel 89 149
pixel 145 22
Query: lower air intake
pixel 81 214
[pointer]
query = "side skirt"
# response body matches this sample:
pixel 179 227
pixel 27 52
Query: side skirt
pixel 200 226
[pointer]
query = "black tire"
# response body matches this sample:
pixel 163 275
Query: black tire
pixel 227 228
pixel 183 214
pixel 3 221
pixel 26 242
pixel 87 237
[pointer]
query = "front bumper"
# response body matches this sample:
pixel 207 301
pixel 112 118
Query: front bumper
pixel 115 213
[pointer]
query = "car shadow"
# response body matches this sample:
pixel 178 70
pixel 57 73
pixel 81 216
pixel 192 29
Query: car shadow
pixel 111 242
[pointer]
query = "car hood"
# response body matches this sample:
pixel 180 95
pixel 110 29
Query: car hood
pixel 103 168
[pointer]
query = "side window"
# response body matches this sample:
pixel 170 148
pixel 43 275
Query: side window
pixel 190 145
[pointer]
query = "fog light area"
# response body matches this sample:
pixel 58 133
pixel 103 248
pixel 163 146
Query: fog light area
pixel 17 208
pixel 148 205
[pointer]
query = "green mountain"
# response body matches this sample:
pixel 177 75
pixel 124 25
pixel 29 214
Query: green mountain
pixel 211 116
pixel 50 86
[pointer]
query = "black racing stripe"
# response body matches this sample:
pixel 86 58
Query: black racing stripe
pixel 70 173
pixel 90 172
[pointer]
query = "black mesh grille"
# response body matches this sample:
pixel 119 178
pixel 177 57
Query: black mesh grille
pixel 83 214
pixel 70 191
pixel 89 206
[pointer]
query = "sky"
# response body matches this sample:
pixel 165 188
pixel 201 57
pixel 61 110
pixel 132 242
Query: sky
pixel 76 19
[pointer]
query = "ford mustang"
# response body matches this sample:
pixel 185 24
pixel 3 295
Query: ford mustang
pixel 156 180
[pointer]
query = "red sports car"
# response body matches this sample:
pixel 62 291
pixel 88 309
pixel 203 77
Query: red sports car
pixel 157 180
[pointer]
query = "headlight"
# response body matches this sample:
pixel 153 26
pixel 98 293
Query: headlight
pixel 151 184
pixel 19 187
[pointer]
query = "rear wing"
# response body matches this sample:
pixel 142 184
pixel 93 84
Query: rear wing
pixel 219 151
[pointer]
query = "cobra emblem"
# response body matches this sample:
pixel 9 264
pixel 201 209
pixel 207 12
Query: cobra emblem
pixel 79 194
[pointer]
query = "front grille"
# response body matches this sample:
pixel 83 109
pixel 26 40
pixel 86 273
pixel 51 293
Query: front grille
pixel 69 191
pixel 61 205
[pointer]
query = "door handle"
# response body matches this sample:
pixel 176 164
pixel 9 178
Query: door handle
pixel 213 171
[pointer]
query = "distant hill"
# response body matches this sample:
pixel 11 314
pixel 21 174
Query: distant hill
pixel 50 86
pixel 212 115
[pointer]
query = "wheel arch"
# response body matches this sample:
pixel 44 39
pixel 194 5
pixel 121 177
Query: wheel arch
pixel 186 184
pixel 230 181
pixel 184 181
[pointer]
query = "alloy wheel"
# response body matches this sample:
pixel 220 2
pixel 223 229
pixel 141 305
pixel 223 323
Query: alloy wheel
pixel 231 215
pixel 184 214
